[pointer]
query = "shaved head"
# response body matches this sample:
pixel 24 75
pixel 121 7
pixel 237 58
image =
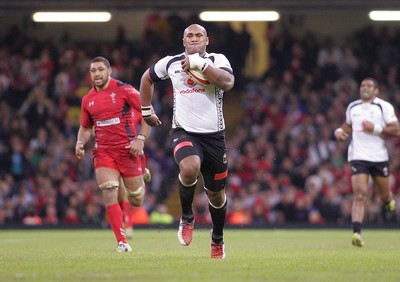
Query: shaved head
pixel 196 27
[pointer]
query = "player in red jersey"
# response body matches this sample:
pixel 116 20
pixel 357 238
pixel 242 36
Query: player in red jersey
pixel 111 107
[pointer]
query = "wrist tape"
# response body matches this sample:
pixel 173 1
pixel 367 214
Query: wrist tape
pixel 377 129
pixel 146 111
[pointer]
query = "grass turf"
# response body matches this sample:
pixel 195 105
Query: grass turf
pixel 252 255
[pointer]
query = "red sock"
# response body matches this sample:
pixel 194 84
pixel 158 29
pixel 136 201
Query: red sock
pixel 127 212
pixel 114 215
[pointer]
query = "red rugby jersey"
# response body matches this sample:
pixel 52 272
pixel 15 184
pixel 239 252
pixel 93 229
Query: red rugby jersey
pixel 113 112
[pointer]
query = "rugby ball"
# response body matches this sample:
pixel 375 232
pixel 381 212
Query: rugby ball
pixel 197 76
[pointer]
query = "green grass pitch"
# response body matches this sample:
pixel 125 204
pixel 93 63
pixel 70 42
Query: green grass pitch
pixel 252 255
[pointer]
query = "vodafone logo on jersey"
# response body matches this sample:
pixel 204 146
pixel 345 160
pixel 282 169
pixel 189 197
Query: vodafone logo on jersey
pixel 191 84
pixel 192 91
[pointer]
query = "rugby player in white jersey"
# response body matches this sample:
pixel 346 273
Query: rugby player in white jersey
pixel 198 127
pixel 368 120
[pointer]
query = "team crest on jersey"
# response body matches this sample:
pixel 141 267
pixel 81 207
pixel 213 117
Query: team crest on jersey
pixel 189 82
pixel 224 159
pixel 112 95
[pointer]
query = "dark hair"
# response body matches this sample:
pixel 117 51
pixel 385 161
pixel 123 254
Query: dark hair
pixel 101 59
pixel 376 84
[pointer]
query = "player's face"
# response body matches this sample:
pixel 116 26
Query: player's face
pixel 195 40
pixel 368 90
pixel 100 75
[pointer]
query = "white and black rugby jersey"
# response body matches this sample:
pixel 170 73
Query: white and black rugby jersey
pixel 197 108
pixel 368 146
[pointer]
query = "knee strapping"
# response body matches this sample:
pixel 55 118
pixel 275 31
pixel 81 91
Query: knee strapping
pixel 113 184
pixel 139 193
pixel 220 207
pixel 359 197
pixel 184 184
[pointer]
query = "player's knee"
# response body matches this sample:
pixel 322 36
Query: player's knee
pixel 359 197
pixel 135 198
pixel 216 199
pixel 189 170
pixel 189 174
pixel 113 184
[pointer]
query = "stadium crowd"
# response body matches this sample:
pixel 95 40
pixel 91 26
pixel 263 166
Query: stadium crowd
pixel 285 166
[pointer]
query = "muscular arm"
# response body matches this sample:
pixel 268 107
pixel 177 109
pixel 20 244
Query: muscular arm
pixel 146 89
pixel 391 129
pixel 341 133
pixel 146 94
pixel 84 134
pixel 145 128
pixel 136 146
pixel 219 77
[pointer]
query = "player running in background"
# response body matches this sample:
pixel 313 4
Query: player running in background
pixel 368 120
pixel 198 127
pixel 108 108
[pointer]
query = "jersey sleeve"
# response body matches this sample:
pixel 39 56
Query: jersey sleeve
pixel 159 70
pixel 389 114
pixel 348 117
pixel 133 98
pixel 222 62
pixel 86 120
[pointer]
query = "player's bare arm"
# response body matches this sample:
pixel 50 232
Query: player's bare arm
pixel 146 93
pixel 391 129
pixel 220 78
pixel 84 134
pixel 343 132
pixel 136 146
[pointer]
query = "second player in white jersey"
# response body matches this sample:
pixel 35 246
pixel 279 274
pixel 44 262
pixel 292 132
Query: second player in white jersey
pixel 368 120
pixel 369 146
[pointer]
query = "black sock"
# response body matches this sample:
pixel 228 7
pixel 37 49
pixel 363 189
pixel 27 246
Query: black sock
pixel 186 195
pixel 356 227
pixel 218 220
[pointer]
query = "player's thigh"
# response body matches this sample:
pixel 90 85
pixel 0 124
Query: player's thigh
pixel 383 184
pixel 215 166
pixel 133 183
pixel 121 190
pixel 380 175
pixel 184 145
pixel 214 175
pixel 105 174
